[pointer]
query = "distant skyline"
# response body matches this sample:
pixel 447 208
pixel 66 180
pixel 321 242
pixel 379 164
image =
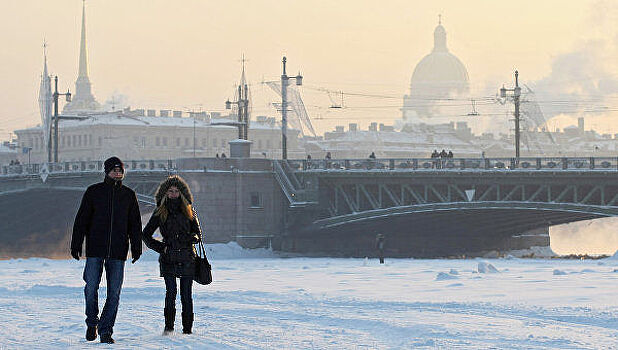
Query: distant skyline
pixel 186 55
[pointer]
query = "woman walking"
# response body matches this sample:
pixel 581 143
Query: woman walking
pixel 180 229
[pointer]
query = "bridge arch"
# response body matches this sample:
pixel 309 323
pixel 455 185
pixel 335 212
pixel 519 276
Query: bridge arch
pixel 552 213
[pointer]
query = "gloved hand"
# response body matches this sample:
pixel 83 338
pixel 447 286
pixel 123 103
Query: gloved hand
pixel 76 253
pixel 135 258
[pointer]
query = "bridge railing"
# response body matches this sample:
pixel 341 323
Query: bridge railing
pixel 84 166
pixel 413 164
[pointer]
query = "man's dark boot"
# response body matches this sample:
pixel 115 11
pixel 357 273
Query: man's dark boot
pixel 187 322
pixel 170 317
pixel 107 338
pixel 91 333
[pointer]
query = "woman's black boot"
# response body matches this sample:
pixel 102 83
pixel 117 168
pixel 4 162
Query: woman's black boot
pixel 187 322
pixel 170 317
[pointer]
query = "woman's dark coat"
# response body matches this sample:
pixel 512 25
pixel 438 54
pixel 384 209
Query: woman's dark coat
pixel 179 233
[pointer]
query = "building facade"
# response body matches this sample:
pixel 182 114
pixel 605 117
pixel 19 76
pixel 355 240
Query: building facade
pixel 130 135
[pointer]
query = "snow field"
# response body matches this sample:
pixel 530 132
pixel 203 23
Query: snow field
pixel 261 301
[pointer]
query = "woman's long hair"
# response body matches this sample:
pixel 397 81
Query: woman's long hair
pixel 185 207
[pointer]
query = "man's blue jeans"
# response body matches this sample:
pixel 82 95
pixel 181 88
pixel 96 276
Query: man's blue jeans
pixel 114 272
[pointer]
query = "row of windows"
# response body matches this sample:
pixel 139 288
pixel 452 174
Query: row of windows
pixel 188 142
pixel 37 143
pixel 86 140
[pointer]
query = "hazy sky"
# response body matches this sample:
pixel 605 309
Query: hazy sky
pixel 185 54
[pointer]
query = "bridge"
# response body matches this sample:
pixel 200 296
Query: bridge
pixel 498 203
pixel 426 207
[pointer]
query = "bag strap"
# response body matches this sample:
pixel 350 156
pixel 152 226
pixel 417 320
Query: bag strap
pixel 201 242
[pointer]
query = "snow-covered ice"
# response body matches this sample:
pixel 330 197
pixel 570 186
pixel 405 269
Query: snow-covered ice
pixel 485 267
pixel 259 300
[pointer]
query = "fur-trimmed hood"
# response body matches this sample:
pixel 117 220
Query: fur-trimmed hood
pixel 177 182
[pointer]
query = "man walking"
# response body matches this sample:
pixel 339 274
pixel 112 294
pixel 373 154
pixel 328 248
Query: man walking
pixel 109 219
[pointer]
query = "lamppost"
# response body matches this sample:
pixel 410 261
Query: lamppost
pixel 56 117
pixel 28 149
pixel 516 94
pixel 284 108
pixel 243 111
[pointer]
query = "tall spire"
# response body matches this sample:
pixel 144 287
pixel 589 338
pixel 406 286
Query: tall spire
pixel 83 53
pixel 83 100
pixel 45 99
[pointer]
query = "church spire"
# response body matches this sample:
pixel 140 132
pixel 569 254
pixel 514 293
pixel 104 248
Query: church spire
pixel 45 101
pixel 83 100
pixel 83 53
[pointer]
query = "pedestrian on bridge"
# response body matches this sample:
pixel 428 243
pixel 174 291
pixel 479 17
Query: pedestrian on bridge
pixel 109 219
pixel 179 226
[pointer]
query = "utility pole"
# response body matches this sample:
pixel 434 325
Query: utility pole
pixel 243 112
pixel 284 108
pixel 243 106
pixel 516 95
pixel 193 135
pixel 56 117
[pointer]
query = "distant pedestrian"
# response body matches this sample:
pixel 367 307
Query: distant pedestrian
pixel 328 156
pixel 443 154
pixel 435 154
pixel 223 155
pixel 109 219
pixel 372 155
pixel 380 247
pixel 450 154
pixel 178 224
pixel 217 156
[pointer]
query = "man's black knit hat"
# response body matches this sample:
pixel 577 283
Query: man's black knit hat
pixel 111 163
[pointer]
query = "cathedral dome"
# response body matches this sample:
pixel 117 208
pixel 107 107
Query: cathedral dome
pixel 438 75
pixel 440 68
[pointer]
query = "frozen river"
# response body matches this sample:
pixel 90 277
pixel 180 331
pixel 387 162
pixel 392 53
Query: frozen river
pixel 259 301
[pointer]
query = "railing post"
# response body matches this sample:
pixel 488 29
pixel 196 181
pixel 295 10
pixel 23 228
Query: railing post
pixel 565 163
pixel 391 164
pixel 538 163
pixel 346 163
pixel 487 163
pixel 415 164
pixel 151 164
pixel 591 162
pixel 462 163
pixel 513 163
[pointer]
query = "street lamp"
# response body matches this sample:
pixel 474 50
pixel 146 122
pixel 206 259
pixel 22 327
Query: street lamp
pixel 284 107
pixel 243 111
pixel 56 117
pixel 516 94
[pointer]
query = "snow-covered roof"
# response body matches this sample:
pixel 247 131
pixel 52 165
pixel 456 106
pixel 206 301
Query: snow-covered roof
pixel 120 119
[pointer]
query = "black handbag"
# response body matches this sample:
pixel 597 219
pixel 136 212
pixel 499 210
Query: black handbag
pixel 203 270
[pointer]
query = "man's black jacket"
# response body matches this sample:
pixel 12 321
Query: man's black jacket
pixel 109 218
